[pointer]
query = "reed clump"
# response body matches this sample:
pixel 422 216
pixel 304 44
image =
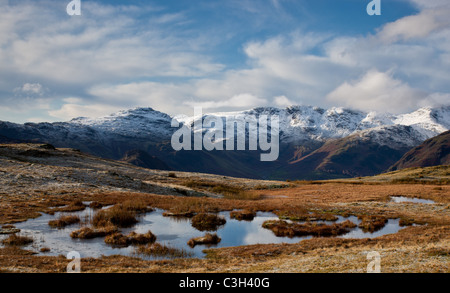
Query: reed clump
pixel 372 223
pixel 64 221
pixel 159 250
pixel 90 233
pixel 282 228
pixel 244 215
pixel 207 222
pixel 208 239
pixel 115 216
pixel 118 239
pixel 74 206
pixel 17 240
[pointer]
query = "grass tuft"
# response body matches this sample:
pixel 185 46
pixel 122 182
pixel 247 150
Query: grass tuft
pixel 208 239
pixel 89 233
pixel 245 215
pixel 17 240
pixel 282 228
pixel 64 221
pixel 118 239
pixel 372 223
pixel 158 250
pixel 207 222
pixel 117 215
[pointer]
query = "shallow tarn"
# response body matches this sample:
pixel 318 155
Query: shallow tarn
pixel 401 199
pixel 170 231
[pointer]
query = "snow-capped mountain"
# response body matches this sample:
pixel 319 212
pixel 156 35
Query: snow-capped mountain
pixel 139 122
pixel 305 123
pixel 303 131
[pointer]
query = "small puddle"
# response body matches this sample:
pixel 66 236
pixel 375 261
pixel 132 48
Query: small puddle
pixel 400 199
pixel 170 231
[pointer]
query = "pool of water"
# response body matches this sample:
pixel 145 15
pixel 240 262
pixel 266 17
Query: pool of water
pixel 173 232
pixel 400 199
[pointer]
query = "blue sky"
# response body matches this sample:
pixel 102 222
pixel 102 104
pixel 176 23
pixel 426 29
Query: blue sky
pixel 223 55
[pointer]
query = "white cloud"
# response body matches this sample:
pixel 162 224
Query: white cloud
pixel 68 111
pixel 377 91
pixel 37 40
pixel 30 88
pixel 431 3
pixel 415 26
pixel 113 58
pixel 282 101
pixel 241 101
pixel 435 100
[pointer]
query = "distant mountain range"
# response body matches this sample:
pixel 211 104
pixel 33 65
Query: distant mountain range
pixel 315 143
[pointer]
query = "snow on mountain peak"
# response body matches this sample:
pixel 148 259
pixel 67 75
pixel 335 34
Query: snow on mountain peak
pixel 297 123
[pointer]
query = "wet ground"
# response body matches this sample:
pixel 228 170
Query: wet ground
pixel 173 232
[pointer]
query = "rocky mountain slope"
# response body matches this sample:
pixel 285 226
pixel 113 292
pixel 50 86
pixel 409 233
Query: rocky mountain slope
pixel 314 142
pixel 432 152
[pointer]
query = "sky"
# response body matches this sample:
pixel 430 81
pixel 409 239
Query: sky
pixel 222 55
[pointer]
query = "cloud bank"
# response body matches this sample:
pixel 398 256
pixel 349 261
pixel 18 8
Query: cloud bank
pixel 115 57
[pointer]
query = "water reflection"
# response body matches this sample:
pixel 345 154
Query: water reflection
pixel 173 232
pixel 400 199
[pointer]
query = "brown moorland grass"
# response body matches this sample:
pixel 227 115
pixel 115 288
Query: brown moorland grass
pixel 159 250
pixel 95 205
pixel 9 229
pixel 207 239
pixel 282 228
pixel 228 191
pixel 320 197
pixel 89 233
pixel 64 221
pixel 302 214
pixel 207 222
pixel 17 240
pixel 136 205
pixel 44 249
pixel 244 215
pixel 118 239
pixel 74 206
pixel 417 249
pixel 117 215
pixel 372 223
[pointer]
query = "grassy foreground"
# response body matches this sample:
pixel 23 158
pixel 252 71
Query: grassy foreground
pixel 34 185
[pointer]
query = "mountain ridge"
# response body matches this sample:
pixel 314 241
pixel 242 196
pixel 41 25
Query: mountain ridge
pixel 432 152
pixel 304 130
